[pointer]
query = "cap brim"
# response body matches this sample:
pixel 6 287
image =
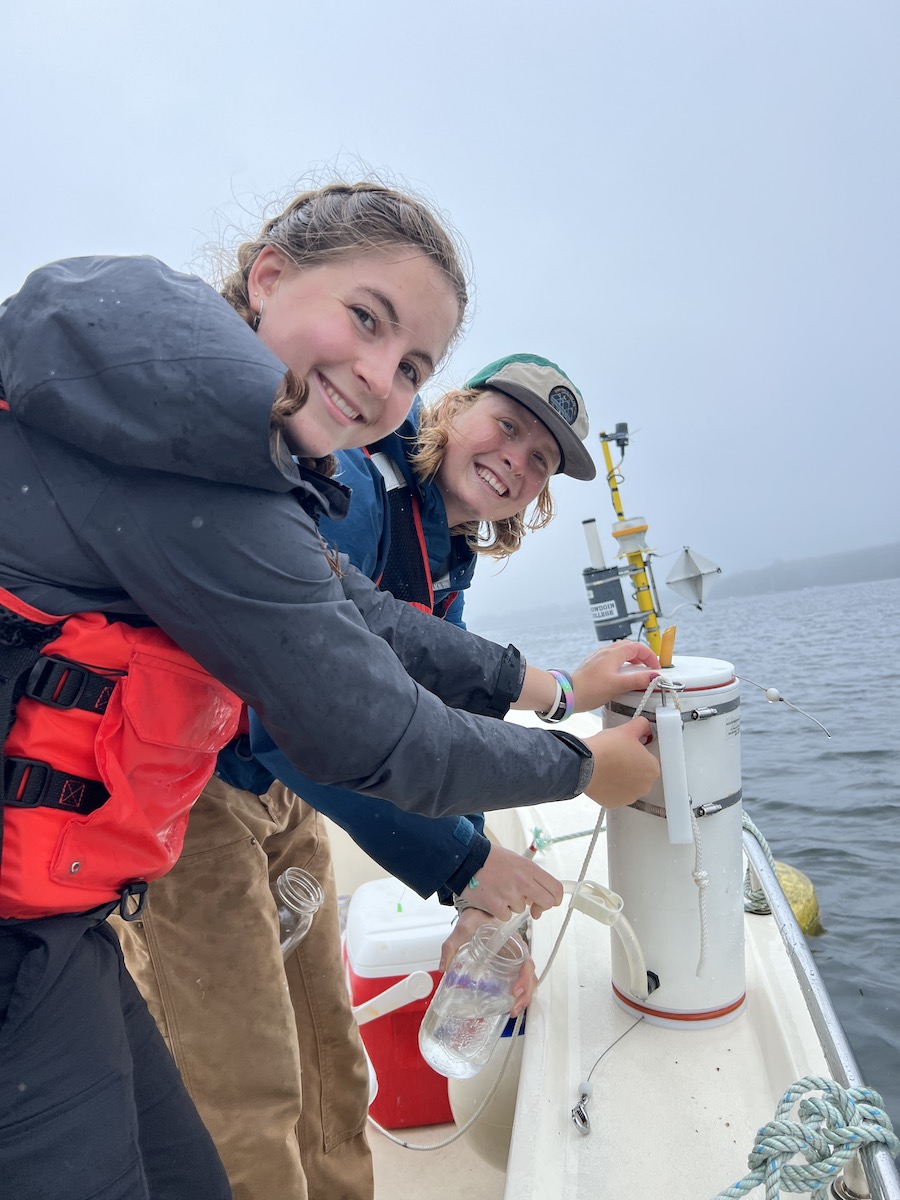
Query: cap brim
pixel 575 459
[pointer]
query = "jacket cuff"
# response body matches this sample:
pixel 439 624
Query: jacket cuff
pixel 587 759
pixel 510 680
pixel 458 883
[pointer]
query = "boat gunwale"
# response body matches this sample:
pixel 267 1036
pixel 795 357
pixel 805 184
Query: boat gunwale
pixel 878 1163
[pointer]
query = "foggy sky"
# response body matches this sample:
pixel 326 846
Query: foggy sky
pixel 692 207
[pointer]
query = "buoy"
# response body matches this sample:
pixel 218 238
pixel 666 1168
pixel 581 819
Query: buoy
pixel 801 895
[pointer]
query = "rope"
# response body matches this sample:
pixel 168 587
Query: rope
pixel 754 897
pixel 646 696
pixel 830 1130
pixel 700 877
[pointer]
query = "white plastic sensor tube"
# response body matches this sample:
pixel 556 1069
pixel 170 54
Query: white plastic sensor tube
pixel 673 770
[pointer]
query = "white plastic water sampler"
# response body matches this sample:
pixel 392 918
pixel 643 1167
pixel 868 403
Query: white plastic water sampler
pixel 675 857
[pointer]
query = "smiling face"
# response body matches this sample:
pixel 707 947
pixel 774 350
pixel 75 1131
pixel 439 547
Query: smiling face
pixel 497 460
pixel 365 332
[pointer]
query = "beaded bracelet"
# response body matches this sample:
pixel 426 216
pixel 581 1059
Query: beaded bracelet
pixel 564 704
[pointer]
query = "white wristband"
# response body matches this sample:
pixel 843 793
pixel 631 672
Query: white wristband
pixel 557 700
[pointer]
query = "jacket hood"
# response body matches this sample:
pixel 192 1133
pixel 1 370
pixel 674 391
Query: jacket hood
pixel 144 367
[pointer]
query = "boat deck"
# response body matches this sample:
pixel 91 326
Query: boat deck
pixel 674 1112
pixel 409 1175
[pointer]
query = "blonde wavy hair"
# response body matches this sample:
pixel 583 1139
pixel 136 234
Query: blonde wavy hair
pixel 335 222
pixel 497 539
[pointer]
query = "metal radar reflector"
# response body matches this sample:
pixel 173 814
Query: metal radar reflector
pixel 692 576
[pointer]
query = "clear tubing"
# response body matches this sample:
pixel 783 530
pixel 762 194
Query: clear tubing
pixel 605 906
pixel 637 967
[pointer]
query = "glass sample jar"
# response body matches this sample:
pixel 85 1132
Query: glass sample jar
pixel 298 897
pixel 468 1011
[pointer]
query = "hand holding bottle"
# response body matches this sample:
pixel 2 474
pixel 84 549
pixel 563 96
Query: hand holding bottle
pixel 471 919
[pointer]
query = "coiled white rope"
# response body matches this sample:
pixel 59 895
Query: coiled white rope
pixel 828 1130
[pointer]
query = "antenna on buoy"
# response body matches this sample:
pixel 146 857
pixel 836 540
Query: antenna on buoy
pixel 691 576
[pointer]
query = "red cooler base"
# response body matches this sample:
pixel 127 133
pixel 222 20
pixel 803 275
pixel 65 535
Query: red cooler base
pixel 391 933
pixel 409 1092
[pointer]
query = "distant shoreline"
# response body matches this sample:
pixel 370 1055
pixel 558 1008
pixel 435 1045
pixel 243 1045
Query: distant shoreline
pixel 851 566
pixel 829 570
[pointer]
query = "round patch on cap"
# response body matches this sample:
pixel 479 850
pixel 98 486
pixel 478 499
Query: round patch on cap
pixel 562 401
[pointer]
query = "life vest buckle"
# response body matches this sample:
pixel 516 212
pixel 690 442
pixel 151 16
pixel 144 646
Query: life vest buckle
pixel 58 682
pixel 28 775
pixel 30 783
pixel 136 890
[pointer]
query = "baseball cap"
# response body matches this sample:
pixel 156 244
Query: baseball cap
pixel 545 390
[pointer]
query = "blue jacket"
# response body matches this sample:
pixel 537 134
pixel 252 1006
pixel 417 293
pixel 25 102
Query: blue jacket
pixel 365 534
pixel 427 854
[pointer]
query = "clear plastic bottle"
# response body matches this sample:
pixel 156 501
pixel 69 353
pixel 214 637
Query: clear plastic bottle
pixel 468 1011
pixel 298 897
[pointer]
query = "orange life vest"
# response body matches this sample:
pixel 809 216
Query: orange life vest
pixel 115 734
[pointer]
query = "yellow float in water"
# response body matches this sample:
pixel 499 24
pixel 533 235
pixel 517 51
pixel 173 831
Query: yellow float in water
pixel 801 895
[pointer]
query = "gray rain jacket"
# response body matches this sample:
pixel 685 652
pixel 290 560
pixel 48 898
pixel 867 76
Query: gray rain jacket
pixel 139 479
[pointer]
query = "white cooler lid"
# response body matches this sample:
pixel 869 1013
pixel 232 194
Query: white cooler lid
pixel 393 931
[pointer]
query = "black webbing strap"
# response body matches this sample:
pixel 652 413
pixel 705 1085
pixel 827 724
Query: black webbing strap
pixel 24 671
pixel 64 684
pixel 30 783
pixel 15 662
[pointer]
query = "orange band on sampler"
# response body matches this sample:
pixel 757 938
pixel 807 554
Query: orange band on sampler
pixel 709 1015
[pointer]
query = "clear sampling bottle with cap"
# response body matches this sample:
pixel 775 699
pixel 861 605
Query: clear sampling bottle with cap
pixel 298 897
pixel 468 1011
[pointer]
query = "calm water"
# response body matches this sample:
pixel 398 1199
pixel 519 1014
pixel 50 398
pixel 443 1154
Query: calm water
pixel 830 807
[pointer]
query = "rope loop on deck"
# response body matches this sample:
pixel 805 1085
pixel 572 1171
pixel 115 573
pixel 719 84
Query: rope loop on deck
pixel 755 898
pixel 827 1131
